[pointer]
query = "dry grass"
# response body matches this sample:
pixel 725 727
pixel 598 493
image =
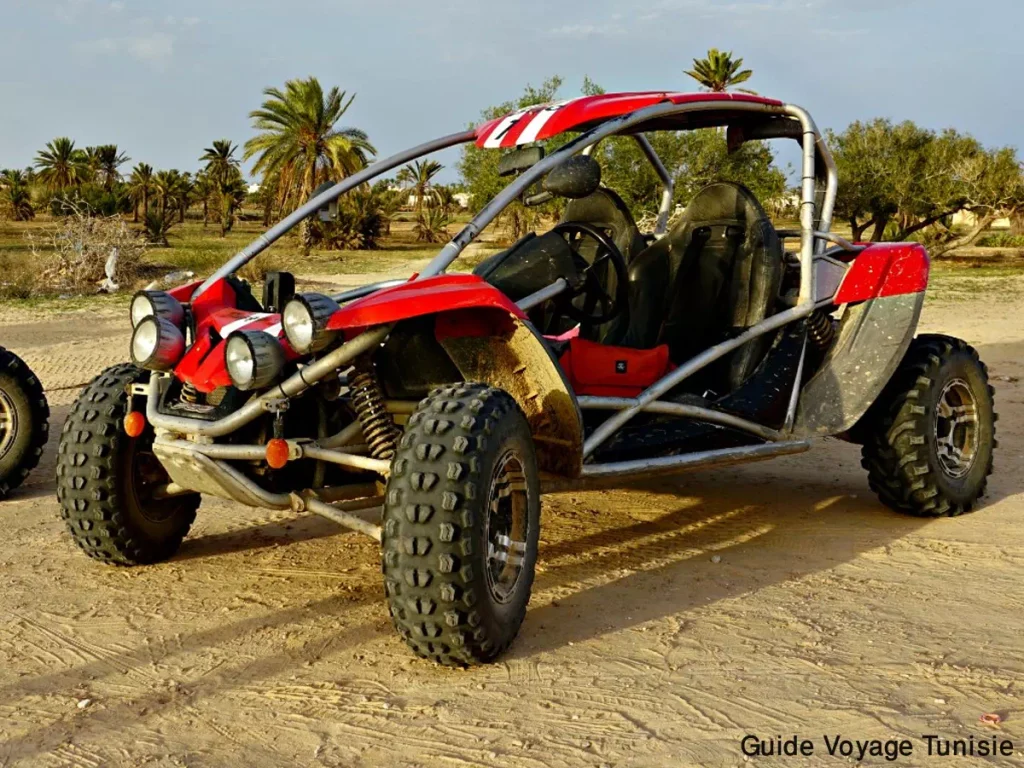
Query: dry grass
pixel 201 250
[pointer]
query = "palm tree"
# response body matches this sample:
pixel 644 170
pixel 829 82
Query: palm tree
pixel 298 139
pixel 202 191
pixel 16 195
pixel 183 194
pixel 166 185
pixel 140 185
pixel 719 72
pixel 60 165
pixel 108 162
pixel 419 175
pixel 220 159
pixel 231 192
pixel 90 164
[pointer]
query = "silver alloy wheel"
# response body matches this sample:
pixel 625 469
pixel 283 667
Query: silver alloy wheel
pixel 8 423
pixel 956 428
pixel 507 526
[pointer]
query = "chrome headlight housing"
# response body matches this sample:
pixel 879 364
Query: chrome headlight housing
pixel 156 304
pixel 157 344
pixel 304 320
pixel 254 359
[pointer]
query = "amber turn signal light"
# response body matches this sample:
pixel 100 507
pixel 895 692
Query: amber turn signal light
pixel 277 453
pixel 134 424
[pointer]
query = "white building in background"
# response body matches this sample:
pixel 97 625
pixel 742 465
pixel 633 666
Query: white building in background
pixel 967 219
pixel 254 188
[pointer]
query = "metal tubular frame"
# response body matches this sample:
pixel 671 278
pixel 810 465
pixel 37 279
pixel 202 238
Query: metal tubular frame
pixel 813 235
pixel 543 294
pixel 280 229
pixel 649 396
pixel 683 411
pixel 700 459
pixel 665 209
pixel 295 384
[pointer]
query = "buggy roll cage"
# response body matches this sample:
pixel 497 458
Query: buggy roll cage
pixel 777 120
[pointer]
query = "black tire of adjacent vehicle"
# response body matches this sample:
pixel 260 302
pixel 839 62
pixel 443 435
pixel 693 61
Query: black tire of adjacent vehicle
pixel 23 394
pixel 98 481
pixel 435 554
pixel 900 441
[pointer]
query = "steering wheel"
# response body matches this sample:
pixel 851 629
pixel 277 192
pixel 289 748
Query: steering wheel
pixel 590 286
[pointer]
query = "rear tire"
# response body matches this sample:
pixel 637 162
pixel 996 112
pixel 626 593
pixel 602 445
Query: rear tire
pixel 930 438
pixel 461 525
pixel 105 479
pixel 24 421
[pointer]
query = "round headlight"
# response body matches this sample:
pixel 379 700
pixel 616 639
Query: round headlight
pixel 157 344
pixel 156 304
pixel 304 320
pixel 253 358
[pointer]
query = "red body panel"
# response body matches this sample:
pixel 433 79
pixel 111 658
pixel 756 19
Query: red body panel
pixel 422 297
pixel 183 293
pixel 543 121
pixel 607 371
pixel 216 318
pixel 885 269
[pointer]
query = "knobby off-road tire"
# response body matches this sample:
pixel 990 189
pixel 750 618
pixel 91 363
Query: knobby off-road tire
pixel 105 479
pixel 461 524
pixel 930 438
pixel 24 421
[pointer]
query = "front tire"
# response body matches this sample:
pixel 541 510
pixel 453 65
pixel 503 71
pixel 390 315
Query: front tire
pixel 24 421
pixel 461 525
pixel 930 438
pixel 108 483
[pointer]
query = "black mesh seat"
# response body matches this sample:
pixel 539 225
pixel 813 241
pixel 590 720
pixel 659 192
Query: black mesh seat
pixel 714 274
pixel 605 210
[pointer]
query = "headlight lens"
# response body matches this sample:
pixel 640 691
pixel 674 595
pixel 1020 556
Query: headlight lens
pixel 253 358
pixel 157 344
pixel 156 304
pixel 304 320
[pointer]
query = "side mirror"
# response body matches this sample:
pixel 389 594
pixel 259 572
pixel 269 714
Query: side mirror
pixel 577 177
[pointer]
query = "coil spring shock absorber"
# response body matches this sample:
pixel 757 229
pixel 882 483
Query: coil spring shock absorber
pixel 189 393
pixel 820 330
pixel 379 428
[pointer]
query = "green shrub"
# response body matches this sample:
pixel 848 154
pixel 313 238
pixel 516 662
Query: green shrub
pixel 1001 240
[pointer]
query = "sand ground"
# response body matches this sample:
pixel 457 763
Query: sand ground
pixel 266 641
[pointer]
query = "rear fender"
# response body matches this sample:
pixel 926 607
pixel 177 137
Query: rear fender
pixel 873 338
pixel 884 269
pixel 506 351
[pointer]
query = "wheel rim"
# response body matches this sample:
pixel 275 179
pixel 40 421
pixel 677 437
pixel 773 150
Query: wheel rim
pixel 956 428
pixel 147 475
pixel 507 527
pixel 8 423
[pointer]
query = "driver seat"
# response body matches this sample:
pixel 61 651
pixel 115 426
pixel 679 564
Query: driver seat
pixel 605 210
pixel 713 275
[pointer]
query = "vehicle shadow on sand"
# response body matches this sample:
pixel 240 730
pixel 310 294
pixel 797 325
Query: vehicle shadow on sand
pixel 618 576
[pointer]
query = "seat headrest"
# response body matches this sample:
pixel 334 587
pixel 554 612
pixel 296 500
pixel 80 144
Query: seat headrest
pixel 723 201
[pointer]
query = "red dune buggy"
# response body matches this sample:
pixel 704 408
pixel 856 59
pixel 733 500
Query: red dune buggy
pixel 432 413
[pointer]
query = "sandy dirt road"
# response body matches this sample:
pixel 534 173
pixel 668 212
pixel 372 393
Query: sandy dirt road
pixel 668 621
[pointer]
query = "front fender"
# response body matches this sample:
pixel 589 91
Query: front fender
pixel 506 351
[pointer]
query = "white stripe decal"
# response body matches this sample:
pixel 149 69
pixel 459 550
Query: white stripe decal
pixel 538 122
pixel 494 140
pixel 273 330
pixel 236 324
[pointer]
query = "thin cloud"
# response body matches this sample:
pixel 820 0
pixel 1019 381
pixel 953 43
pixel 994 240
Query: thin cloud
pixel 155 48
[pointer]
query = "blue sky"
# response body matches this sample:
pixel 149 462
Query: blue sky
pixel 162 80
